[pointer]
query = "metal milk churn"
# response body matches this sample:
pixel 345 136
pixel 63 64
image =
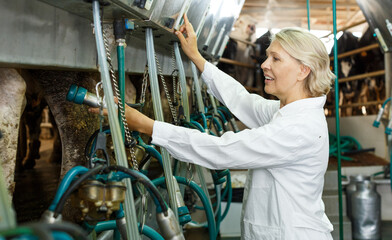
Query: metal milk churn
pixel 351 188
pixel 366 212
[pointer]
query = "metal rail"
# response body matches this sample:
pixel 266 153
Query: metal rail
pixel 339 150
pixel 119 149
pixel 357 104
pixel 362 76
pixel 157 105
pixel 346 27
pixel 234 62
pixel 356 51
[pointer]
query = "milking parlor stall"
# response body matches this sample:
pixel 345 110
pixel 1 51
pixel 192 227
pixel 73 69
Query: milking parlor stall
pixel 68 173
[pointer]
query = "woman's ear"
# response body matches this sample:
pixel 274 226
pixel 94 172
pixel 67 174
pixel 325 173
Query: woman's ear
pixel 304 72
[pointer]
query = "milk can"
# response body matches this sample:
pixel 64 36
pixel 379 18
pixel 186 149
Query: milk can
pixel 366 212
pixel 351 188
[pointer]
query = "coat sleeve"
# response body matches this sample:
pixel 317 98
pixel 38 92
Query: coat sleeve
pixel 251 109
pixel 264 147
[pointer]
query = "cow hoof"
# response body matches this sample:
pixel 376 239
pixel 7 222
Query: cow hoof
pixel 29 164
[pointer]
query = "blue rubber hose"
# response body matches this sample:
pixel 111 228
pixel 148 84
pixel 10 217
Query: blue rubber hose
pixel 111 225
pixel 67 180
pixel 209 212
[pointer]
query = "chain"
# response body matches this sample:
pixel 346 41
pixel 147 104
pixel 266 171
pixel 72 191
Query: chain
pixel 144 86
pixel 174 75
pixel 128 136
pixel 171 106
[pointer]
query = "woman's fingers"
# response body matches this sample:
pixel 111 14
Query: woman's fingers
pixel 96 111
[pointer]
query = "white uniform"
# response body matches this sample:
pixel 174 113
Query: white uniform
pixel 285 149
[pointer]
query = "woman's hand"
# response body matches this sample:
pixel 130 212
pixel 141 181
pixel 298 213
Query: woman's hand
pixel 189 43
pixel 136 120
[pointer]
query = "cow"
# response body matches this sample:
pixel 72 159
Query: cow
pixel 238 50
pixel 363 90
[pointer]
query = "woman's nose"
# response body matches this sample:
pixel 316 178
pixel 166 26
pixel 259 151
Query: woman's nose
pixel 264 64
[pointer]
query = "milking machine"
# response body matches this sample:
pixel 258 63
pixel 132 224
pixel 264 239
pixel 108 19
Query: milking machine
pixel 111 192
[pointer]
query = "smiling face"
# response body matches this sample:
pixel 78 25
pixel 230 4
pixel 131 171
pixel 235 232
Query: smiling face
pixel 284 75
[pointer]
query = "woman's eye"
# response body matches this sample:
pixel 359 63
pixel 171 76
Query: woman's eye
pixel 276 59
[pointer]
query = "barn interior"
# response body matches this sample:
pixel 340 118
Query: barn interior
pixel 70 174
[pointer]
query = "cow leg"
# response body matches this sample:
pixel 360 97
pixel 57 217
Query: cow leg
pixel 56 154
pixel 34 119
pixel 75 124
pixel 12 102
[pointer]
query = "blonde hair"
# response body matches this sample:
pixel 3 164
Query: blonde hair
pixel 311 52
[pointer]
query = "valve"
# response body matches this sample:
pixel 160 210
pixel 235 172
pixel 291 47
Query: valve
pixel 183 213
pixel 169 226
pixel 80 95
pixel 97 200
pixel 48 217
pixel 376 122
pixel 388 129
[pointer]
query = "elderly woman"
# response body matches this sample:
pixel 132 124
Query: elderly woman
pixel 285 146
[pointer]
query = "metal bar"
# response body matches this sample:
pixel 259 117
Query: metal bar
pixel 157 105
pixel 357 104
pixel 346 27
pixel 182 166
pixel 243 41
pixel 335 52
pixel 356 51
pixel 196 82
pixel 308 13
pixel 200 105
pixel 121 82
pixel 388 93
pixel 181 76
pixel 362 76
pixel 218 40
pixel 119 149
pixel 237 63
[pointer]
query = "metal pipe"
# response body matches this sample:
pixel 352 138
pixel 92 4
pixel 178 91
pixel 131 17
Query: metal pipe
pixel 356 51
pixel 119 149
pixel 237 63
pixel 196 83
pixel 244 41
pixel 181 76
pixel 121 79
pixel 362 76
pixel 157 105
pixel 346 27
pixel 335 52
pixel 308 13
pixel 184 97
pixel 357 104
pixel 388 87
pixel 218 39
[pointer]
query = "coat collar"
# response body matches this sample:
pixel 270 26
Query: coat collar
pixel 300 105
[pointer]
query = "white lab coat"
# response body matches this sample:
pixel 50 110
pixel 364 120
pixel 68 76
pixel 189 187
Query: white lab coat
pixel 285 150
